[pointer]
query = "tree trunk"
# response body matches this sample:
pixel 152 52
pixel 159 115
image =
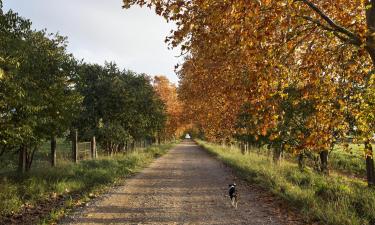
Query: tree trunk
pixel 111 148
pixel 369 165
pixel 324 161
pixel 93 148
pixel 277 153
pixel 22 159
pixel 53 151
pixel 30 158
pixel 370 19
pixel 302 161
pixel 370 171
pixel 242 147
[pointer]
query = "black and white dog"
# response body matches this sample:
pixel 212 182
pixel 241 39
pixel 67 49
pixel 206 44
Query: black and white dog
pixel 233 194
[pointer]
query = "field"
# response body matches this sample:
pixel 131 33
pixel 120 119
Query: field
pixel 328 199
pixel 350 160
pixel 26 192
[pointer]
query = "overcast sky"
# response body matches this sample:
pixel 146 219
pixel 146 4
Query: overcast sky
pixel 100 30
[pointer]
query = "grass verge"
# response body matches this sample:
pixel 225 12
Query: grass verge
pixel 73 183
pixel 350 160
pixel 332 200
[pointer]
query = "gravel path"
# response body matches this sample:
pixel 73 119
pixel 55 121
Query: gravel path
pixel 186 186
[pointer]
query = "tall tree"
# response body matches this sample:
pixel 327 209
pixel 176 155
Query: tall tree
pixel 168 94
pixel 37 97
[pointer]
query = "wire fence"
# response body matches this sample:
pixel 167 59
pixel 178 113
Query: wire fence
pixel 84 150
pixel 67 151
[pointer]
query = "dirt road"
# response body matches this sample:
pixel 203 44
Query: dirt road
pixel 186 186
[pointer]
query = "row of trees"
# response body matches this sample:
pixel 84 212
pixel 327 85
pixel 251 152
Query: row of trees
pixel 118 107
pixel 297 75
pixel 45 93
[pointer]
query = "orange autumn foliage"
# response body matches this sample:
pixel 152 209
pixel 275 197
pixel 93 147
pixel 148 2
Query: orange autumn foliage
pixel 279 58
pixel 168 94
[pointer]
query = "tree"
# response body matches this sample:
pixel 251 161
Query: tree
pixel 366 122
pixel 37 97
pixel 167 92
pixel 355 26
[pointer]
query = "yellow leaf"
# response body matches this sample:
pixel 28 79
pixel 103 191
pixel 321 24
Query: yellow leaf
pixel 2 73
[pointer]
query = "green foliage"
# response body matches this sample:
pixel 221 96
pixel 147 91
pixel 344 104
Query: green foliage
pixel 37 98
pixel 45 92
pixel 334 200
pixel 118 106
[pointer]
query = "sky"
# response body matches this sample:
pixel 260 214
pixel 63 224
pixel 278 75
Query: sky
pixel 100 30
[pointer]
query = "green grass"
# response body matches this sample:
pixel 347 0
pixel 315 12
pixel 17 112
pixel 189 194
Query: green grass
pixel 83 179
pixel 349 160
pixel 330 200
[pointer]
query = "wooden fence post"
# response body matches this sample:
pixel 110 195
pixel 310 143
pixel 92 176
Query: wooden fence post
pixel 22 159
pixel 75 146
pixel 53 150
pixel 93 148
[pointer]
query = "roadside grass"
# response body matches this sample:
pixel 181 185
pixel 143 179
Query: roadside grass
pixel 349 159
pixel 333 200
pixel 84 179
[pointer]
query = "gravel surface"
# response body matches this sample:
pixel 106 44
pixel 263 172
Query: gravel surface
pixel 186 186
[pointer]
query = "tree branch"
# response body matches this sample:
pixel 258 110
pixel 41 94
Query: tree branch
pixel 334 32
pixel 317 22
pixel 2 151
pixel 334 26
